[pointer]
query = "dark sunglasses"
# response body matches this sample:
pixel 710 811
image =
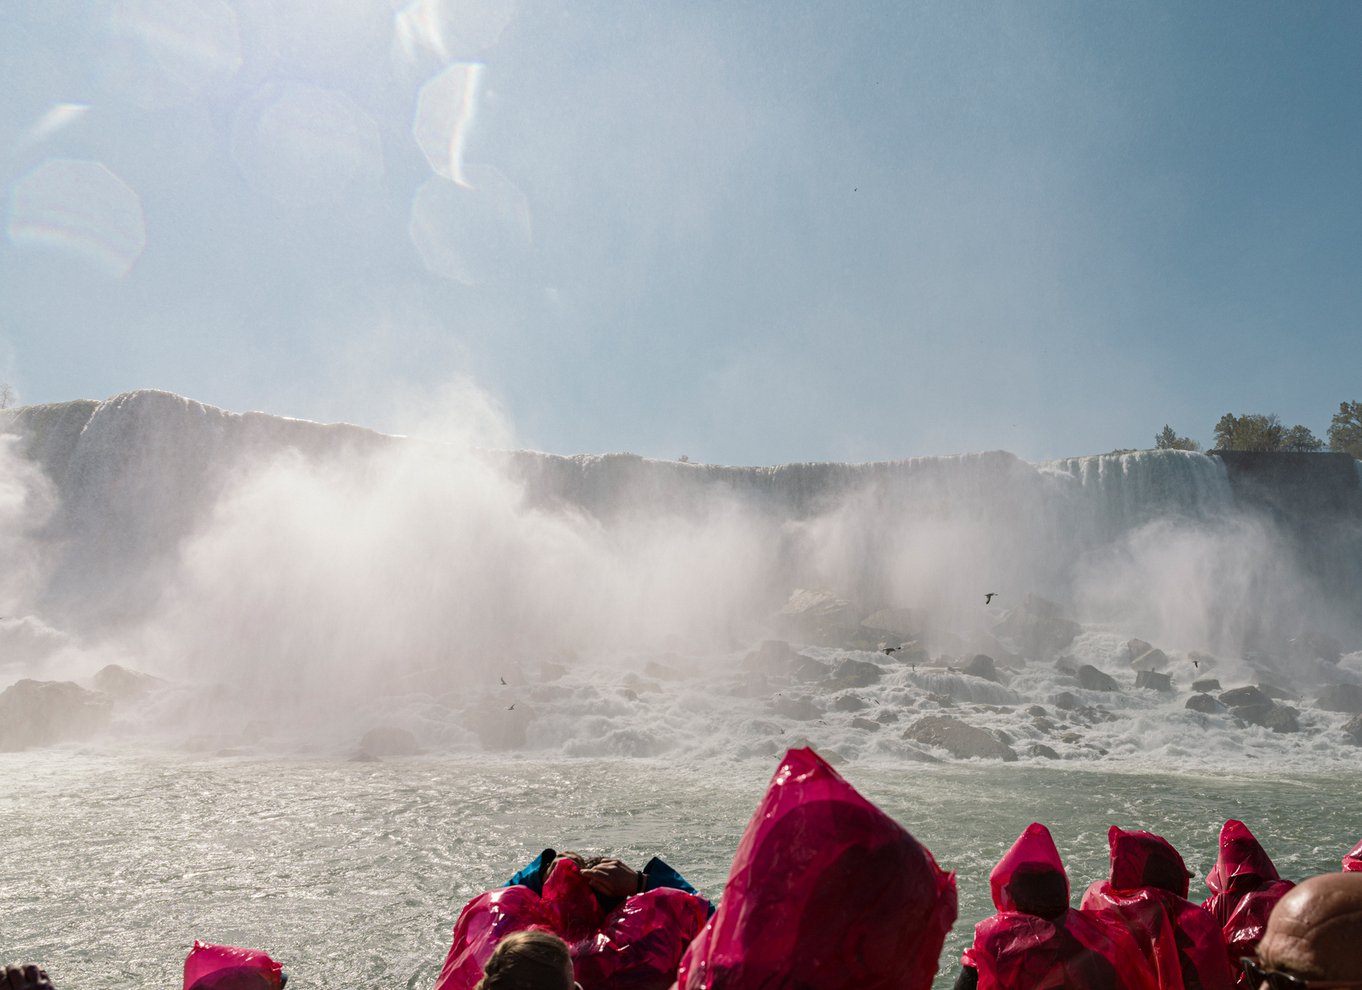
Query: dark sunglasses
pixel 1277 979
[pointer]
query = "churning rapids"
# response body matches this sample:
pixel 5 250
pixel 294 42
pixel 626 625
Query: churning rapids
pixel 310 687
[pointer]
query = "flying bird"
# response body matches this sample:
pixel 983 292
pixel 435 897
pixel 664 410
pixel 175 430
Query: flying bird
pixel 503 681
pixel 889 650
pixel 988 598
pixel 1196 664
pixel 512 707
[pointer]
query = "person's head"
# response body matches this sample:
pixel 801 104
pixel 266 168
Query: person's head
pixel 529 960
pixel 1143 859
pixel 1315 935
pixel 1030 877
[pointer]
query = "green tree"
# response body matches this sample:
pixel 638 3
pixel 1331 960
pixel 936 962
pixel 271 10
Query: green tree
pixel 1299 438
pixel 1252 431
pixel 1345 431
pixel 1166 439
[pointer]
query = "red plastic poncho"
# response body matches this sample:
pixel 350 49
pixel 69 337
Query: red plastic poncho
pixel 826 892
pixel 1148 888
pixel 634 946
pixel 1352 863
pixel 225 967
pixel 1066 950
pixel 1245 886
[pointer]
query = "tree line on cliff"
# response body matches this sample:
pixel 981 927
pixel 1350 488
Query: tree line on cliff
pixel 1264 431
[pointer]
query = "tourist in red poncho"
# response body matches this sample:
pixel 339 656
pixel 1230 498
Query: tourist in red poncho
pixel 1037 941
pixel 1148 888
pixel 1352 863
pixel 1244 888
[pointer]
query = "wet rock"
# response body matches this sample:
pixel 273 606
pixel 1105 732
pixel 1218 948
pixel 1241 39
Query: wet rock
pixel 1154 680
pixel 886 717
pixel 819 617
pixel 1041 750
pixel 1071 738
pixel 1278 694
pixel 123 684
pixel 1353 727
pixel 1065 701
pixel 892 623
pixel 959 738
pixel 41 713
pixel 1316 646
pixel 856 673
pixel 1341 698
pixel 807 669
pixel 1205 704
pixel 1242 696
pixel 1150 660
pixel 796 707
pixel 848 703
pixel 864 723
pixel 629 694
pixel 981 665
pixel 1137 648
pixel 1043 724
pixel 390 740
pixel 1037 711
pixel 1067 665
pixel 1278 718
pixel 773 656
pixel 1092 679
pixel 1036 628
pixel 1206 685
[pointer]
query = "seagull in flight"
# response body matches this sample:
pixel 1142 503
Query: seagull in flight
pixel 512 708
pixel 988 598
pixel 503 681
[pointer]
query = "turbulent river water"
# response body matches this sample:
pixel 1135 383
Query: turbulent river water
pixel 352 873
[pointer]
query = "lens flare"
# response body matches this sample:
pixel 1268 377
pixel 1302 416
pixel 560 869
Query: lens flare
pixel 82 209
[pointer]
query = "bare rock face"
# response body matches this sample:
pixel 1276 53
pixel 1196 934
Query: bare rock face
pixel 123 684
pixel 389 740
pixel 981 665
pixel 1137 648
pixel 960 739
pixel 1065 701
pixel 1092 679
pixel 1341 698
pixel 41 713
pixel 1205 704
pixel 1042 750
pixel 1154 680
pixel 1206 685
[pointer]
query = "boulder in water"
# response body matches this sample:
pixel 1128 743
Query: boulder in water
pixel 1041 750
pixel 1206 685
pixel 1150 660
pixel 958 738
pixel 1137 648
pixel 1278 718
pixel 1065 701
pixel 1240 696
pixel 41 713
pixel 848 703
pixel 1341 698
pixel 864 723
pixel 819 617
pixel 981 665
pixel 1092 679
pixel 856 673
pixel 1153 680
pixel 1205 704
pixel 773 656
pixel 892 623
pixel 1353 727
pixel 1316 646
pixel 807 669
pixel 1036 630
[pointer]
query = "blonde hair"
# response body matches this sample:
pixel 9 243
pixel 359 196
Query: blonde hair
pixel 530 960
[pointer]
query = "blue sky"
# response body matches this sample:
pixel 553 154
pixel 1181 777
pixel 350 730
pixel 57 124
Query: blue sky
pixel 752 233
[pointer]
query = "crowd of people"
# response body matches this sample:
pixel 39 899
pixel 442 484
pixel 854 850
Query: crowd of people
pixel 826 892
